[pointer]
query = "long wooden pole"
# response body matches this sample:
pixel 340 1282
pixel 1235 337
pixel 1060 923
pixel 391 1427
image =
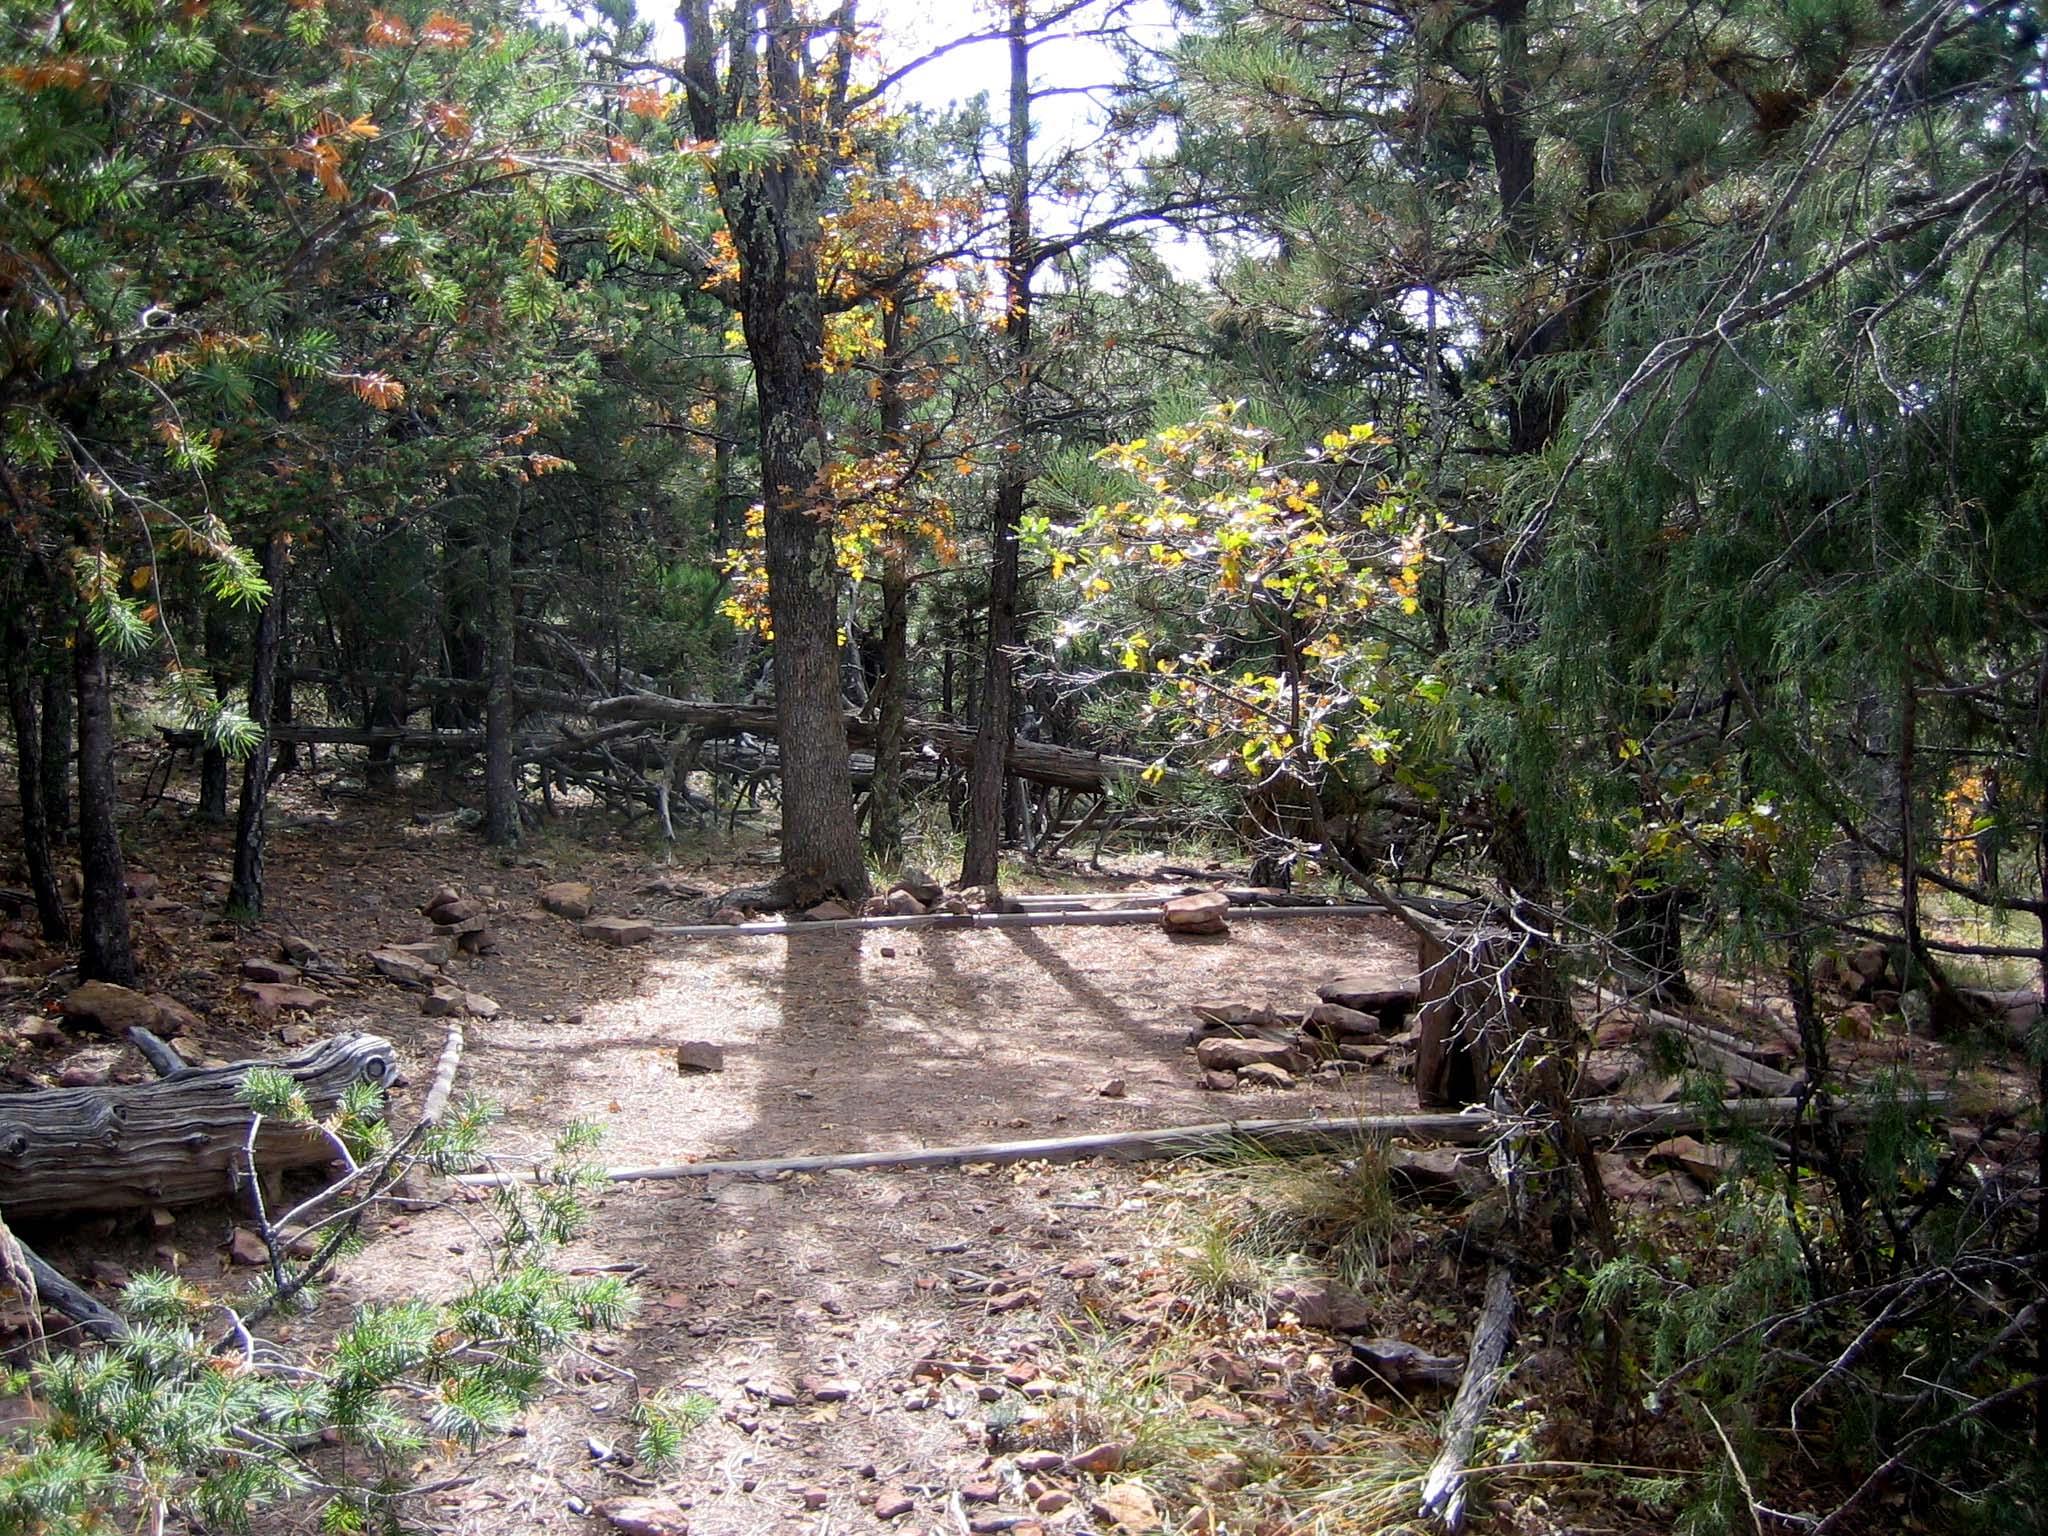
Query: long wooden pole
pixel 1042 919
pixel 1607 1121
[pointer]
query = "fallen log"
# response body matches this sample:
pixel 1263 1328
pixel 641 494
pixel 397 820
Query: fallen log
pixel 1711 1047
pixel 1443 1490
pixel 175 1141
pixel 1092 918
pixel 1606 1121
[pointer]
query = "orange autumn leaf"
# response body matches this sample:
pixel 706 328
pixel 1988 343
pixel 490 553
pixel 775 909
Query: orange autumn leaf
pixel 386 31
pixel 540 251
pixel 646 101
pixel 618 149
pixel 449 121
pixel 378 390
pixel 440 30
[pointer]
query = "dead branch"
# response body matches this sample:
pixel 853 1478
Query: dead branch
pixel 1443 1490
pixel 1292 1137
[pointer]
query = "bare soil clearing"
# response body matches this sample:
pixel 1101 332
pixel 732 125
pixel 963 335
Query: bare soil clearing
pixel 802 1307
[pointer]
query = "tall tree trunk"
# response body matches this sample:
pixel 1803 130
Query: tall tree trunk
pixel 773 215
pixel 213 762
pixel 35 830
pixel 56 764
pixel 105 952
pixel 245 895
pixel 891 695
pixel 462 632
pixel 985 818
pixel 501 780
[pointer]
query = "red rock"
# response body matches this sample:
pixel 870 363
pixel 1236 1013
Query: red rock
pixel 893 1504
pixel 1098 1460
pixel 1225 1053
pixel 113 1010
pixel 700 1056
pixel 619 932
pixel 569 898
pixel 271 998
pixel 246 1247
pixel 646 1517
pixel 1203 914
pixel 258 969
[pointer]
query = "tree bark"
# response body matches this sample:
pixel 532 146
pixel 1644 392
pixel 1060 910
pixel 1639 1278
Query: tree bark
pixel 35 829
pixel 773 216
pixel 245 895
pixel 213 762
pixel 501 776
pixel 105 952
pixel 56 764
pixel 988 776
pixel 892 688
pixel 172 1140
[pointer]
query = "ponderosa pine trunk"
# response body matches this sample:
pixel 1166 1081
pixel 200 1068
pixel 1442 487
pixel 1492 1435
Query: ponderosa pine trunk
pixel 501 780
pixel 213 762
pixel 56 764
pixel 28 757
pixel 773 216
pixel 989 775
pixel 245 895
pixel 891 695
pixel 105 949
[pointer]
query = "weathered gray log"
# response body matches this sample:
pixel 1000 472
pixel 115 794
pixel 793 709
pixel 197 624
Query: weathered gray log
pixel 1147 916
pixel 175 1141
pixel 1710 1047
pixel 1443 1490
pixel 56 1291
pixel 1600 1121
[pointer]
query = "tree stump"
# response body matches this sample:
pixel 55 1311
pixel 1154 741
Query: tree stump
pixel 176 1141
pixel 1467 1014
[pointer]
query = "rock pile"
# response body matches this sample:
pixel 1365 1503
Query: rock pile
pixel 1358 1023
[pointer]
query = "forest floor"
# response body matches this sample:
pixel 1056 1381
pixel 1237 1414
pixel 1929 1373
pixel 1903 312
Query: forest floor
pixel 911 1351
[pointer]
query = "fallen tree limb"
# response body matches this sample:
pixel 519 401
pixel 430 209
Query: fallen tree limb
pixel 1711 1047
pixel 1092 918
pixel 1605 1121
pixel 1443 1490
pixel 173 1141
pixel 61 1296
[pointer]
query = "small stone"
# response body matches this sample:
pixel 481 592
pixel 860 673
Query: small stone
pixel 1080 1269
pixel 893 1504
pixel 142 885
pixel 827 1389
pixel 1329 1305
pixel 700 1056
pixel 1040 1461
pixel 920 886
pixel 902 904
pixel 464 930
pixel 1203 914
pixel 477 1006
pixel 1220 1082
pixel 1710 1165
pixel 112 1009
pixel 1263 1074
pixel 1336 1022
pixel 984 1490
pixel 1390 998
pixel 444 1001
pixel 1098 1460
pixel 455 913
pixel 173 1018
pixel 1052 1501
pixel 829 912
pixel 1129 1507
pixel 569 898
pixel 729 917
pixel 246 1246
pixel 619 932
pixel 404 964
pixel 815 1498
pixel 15 945
pixel 1225 1053
pixel 269 970
pixel 77 1076
pixel 1113 1089
pixel 269 999
pixel 297 950
pixel 646 1517
pixel 1857 1022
